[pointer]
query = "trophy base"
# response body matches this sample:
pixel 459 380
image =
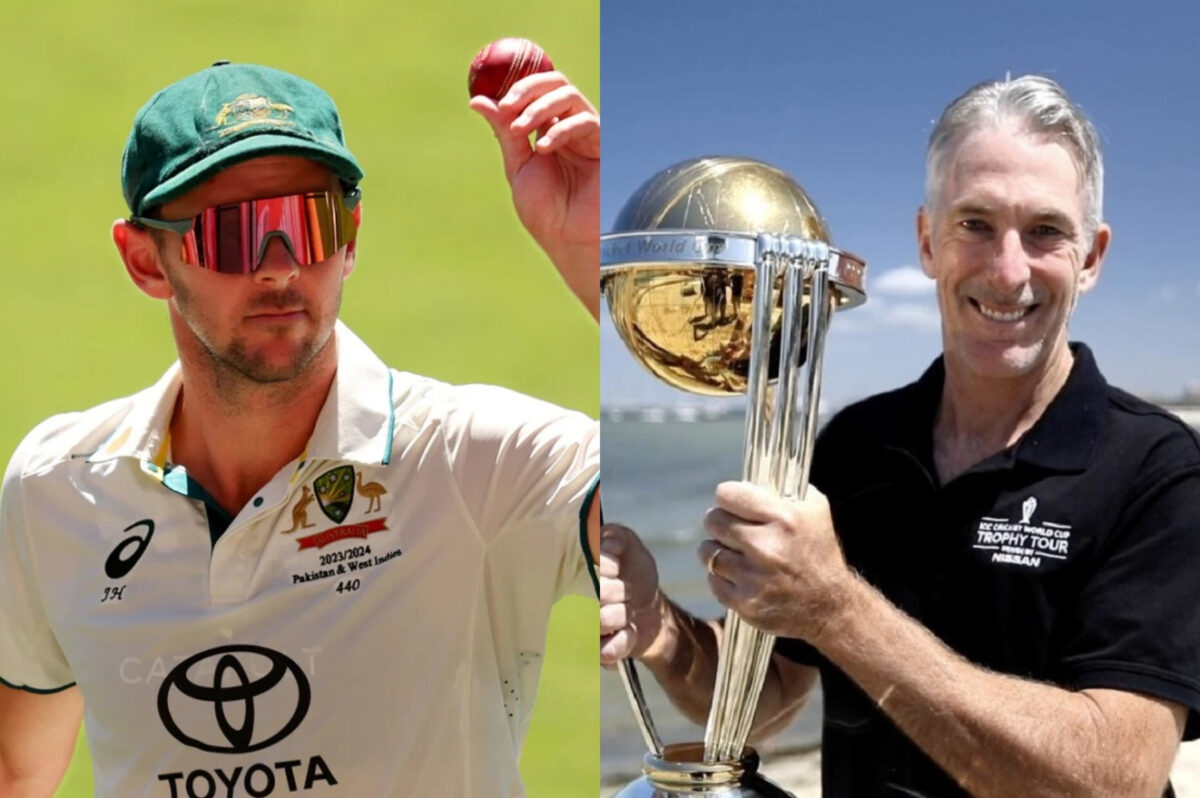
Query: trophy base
pixel 681 771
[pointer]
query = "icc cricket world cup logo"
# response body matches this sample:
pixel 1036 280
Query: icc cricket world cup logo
pixel 1027 508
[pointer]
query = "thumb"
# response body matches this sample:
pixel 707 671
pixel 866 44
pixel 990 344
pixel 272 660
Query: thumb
pixel 514 148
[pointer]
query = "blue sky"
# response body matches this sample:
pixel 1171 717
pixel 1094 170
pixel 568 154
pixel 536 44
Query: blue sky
pixel 843 97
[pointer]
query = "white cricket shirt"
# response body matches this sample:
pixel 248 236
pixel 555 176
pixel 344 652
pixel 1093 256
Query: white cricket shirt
pixel 370 624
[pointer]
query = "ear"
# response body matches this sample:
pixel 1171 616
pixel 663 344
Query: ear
pixel 925 242
pixel 140 254
pixel 1092 262
pixel 348 261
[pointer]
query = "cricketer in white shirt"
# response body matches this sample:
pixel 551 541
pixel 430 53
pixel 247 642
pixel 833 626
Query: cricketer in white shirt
pixel 346 591
pixel 371 623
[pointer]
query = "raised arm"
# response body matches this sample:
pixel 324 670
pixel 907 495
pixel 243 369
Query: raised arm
pixel 556 180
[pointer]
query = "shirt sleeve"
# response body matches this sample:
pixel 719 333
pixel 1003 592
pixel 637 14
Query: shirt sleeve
pixel 30 656
pixel 528 472
pixel 1137 626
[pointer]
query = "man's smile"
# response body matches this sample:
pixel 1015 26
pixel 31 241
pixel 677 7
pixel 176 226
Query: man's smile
pixel 1002 313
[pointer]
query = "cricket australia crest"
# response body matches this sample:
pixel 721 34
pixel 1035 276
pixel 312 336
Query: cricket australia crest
pixel 335 492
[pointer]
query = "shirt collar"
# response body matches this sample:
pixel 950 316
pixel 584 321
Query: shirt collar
pixel 359 416
pixel 356 422
pixel 1062 439
pixel 142 432
pixel 1065 437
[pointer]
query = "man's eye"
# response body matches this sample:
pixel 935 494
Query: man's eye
pixel 1046 230
pixel 974 225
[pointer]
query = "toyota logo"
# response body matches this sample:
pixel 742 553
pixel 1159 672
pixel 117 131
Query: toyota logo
pixel 256 696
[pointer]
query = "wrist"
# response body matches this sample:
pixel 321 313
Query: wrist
pixel 660 651
pixel 847 599
pixel 578 265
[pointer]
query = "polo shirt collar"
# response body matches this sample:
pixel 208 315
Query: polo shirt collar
pixel 1063 439
pixel 358 419
pixel 142 432
pixel 912 429
pixel 355 423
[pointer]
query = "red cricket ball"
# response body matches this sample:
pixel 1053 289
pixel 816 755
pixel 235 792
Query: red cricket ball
pixel 499 65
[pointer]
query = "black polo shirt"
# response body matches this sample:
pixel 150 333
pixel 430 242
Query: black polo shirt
pixel 1071 557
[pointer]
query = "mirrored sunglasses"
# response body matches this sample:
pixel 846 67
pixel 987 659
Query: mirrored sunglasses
pixel 232 239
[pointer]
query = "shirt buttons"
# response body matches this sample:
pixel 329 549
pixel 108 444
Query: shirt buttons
pixel 258 501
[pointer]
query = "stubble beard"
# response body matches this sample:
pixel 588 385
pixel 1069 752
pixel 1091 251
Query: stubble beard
pixel 234 367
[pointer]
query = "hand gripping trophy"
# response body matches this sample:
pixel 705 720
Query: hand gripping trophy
pixel 721 279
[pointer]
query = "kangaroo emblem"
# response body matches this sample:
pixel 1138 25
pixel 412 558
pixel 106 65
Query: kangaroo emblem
pixel 300 512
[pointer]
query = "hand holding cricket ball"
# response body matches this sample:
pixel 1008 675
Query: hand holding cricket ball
pixel 556 180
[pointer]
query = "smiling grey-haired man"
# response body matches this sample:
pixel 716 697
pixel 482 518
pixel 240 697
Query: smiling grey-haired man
pixel 996 579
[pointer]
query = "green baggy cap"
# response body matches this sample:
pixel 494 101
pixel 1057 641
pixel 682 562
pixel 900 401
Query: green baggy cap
pixel 219 116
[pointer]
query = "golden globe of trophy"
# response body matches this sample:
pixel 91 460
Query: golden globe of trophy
pixel 721 279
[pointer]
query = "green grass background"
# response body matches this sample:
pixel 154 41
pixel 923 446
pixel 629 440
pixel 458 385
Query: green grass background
pixel 447 284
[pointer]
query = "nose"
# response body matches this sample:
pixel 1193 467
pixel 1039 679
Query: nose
pixel 277 264
pixel 1010 271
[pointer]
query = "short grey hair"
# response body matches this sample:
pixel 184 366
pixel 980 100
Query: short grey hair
pixel 1041 107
